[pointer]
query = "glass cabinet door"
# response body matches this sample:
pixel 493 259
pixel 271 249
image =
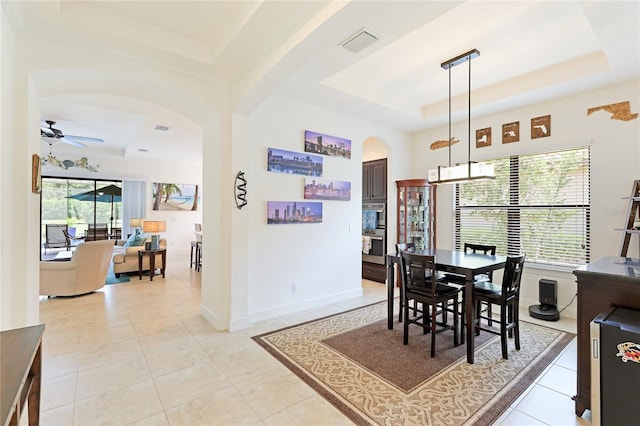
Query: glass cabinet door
pixel 416 213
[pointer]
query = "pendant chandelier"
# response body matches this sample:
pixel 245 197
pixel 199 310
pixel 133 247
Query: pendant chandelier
pixel 468 171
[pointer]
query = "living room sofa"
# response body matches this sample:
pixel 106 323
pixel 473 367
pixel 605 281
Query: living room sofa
pixel 125 258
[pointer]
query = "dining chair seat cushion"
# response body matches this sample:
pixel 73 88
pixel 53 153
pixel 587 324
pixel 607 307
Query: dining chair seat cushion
pixel 441 290
pixel 487 288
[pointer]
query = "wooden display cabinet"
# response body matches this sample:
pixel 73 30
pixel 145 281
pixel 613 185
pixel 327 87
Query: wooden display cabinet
pixel 416 213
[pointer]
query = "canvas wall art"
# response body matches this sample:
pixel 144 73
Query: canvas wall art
pixel 290 212
pixel 326 144
pixel 291 162
pixel 176 197
pixel 318 189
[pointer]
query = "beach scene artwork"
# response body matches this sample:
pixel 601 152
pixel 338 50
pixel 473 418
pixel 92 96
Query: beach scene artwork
pixel 176 197
pixel 290 212
pixel 291 162
pixel 319 143
pixel 319 189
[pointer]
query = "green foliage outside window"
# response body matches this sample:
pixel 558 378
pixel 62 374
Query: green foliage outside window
pixel 538 204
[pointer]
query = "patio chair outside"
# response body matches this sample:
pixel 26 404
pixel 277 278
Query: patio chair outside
pixel 55 236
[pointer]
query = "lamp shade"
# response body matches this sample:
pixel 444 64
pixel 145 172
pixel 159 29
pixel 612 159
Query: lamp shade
pixel 154 226
pixel 136 222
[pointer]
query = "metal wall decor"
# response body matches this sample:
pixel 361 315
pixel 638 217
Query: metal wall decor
pixel 483 137
pixel 541 127
pixel 240 190
pixel 619 111
pixel 511 132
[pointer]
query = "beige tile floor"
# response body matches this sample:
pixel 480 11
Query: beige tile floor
pixel 141 354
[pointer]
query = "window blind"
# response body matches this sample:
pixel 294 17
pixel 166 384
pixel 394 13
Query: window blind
pixel 538 204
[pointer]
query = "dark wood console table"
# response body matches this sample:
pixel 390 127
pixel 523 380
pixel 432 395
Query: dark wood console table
pixel 20 373
pixel 605 283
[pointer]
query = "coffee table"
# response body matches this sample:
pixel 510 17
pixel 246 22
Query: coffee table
pixel 63 256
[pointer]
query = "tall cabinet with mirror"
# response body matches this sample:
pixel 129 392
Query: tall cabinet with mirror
pixel 416 213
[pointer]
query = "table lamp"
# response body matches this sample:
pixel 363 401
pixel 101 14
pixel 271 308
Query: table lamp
pixel 154 226
pixel 136 223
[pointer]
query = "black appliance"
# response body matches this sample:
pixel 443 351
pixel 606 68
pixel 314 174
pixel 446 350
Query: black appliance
pixel 615 367
pixel 547 310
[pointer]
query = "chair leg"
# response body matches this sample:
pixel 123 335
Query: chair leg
pixel 456 342
pixel 503 331
pixel 516 325
pixel 401 303
pixel 489 314
pixel 478 308
pixel 434 315
pixel 462 315
pixel 191 257
pixel 405 334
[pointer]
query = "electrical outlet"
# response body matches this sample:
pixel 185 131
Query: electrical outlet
pixel 293 288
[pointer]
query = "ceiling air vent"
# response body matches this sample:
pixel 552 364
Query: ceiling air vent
pixel 359 41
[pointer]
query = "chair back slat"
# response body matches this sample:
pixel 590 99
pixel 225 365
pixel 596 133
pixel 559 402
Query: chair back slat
pixel 419 273
pixel 512 275
pixel 479 248
pixel 401 247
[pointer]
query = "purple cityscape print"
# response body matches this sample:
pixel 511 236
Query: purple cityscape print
pixel 319 143
pixel 288 212
pixel 297 163
pixel 318 189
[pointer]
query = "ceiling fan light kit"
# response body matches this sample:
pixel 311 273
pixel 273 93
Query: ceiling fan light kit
pixel 469 171
pixel 53 133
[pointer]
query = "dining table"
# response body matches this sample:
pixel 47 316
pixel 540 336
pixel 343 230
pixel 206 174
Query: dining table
pixel 457 262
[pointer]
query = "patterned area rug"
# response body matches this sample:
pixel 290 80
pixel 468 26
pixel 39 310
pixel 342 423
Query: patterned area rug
pixel 364 370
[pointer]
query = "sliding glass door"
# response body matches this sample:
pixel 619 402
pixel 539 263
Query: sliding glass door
pixel 87 209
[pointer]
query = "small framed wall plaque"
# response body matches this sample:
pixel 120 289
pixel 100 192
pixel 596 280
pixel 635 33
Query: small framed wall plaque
pixel 541 127
pixel 36 174
pixel 511 132
pixel 483 137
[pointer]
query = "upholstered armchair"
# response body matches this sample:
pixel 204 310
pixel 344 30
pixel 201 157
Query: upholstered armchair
pixel 84 273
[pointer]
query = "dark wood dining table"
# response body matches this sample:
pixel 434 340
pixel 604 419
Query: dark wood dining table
pixel 458 262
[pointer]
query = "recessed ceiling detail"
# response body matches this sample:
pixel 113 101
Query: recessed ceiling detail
pixel 359 41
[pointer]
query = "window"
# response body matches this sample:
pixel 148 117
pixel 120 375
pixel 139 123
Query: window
pixel 538 204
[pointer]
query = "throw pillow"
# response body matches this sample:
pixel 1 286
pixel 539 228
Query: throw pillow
pixel 135 240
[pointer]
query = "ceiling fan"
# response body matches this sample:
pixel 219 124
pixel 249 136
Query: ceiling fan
pixel 52 133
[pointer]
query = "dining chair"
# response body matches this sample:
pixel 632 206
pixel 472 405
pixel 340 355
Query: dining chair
pixel 505 295
pixel 402 247
pixel 419 284
pixel 411 247
pixel 460 280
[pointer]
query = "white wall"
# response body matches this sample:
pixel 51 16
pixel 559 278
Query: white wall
pixel 615 147
pixel 322 260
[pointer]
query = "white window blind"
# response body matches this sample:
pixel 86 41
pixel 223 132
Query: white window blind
pixel 539 204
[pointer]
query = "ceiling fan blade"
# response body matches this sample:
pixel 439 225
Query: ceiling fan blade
pixel 83 139
pixel 70 141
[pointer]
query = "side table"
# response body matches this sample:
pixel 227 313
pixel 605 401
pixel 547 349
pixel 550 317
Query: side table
pixel 152 261
pixel 21 372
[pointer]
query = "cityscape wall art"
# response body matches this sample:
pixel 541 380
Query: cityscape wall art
pixel 319 143
pixel 297 163
pixel 291 212
pixel 319 189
